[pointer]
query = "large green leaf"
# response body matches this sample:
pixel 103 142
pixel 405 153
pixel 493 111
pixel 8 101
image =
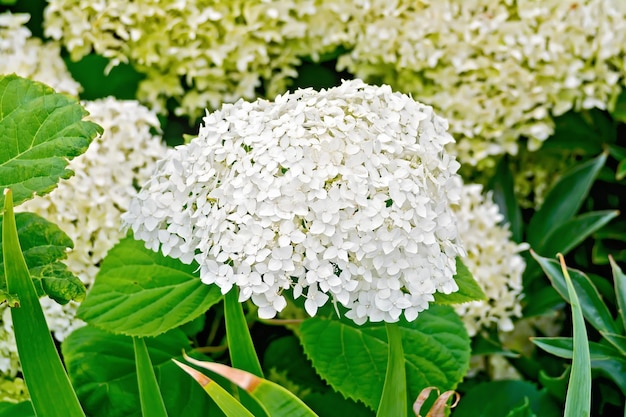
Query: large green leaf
pixel 38 354
pixel 43 246
pixel 593 307
pixel 469 290
pixel 564 200
pixel 40 131
pixel 353 359
pixel 102 368
pixel 139 292
pixel 499 398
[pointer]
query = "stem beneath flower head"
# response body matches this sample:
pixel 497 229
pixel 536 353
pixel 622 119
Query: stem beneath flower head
pixel 394 399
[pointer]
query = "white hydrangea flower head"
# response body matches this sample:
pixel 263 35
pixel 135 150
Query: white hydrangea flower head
pixel 31 58
pixel 496 69
pixel 88 206
pixel 200 52
pixel 342 194
pixel 494 261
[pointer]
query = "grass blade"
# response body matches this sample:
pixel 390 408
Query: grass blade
pixel 620 289
pixel 226 402
pixel 152 404
pixel 578 400
pixel 275 399
pixel 51 393
pixel 240 346
pixel 394 398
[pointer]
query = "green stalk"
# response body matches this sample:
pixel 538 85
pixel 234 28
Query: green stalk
pixel 578 399
pixel 394 398
pixel 151 400
pixel 240 346
pixel 50 389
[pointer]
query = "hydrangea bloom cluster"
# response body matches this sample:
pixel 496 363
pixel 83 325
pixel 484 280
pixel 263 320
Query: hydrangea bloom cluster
pixel 494 261
pixel 29 57
pixel 200 52
pixel 343 194
pixel 496 69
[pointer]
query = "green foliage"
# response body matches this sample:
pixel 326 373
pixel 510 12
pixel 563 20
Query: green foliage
pixel 353 359
pixel 240 346
pixel 139 292
pixel 501 398
pixel 393 401
pixel 40 131
pixel 38 355
pixel 102 368
pixel 44 246
pixel 23 409
pixel 469 290
pixel 149 394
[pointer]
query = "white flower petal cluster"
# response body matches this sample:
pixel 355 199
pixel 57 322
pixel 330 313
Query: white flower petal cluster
pixel 494 261
pixel 200 52
pixel 496 69
pixel 341 194
pixel 88 206
pixel 31 58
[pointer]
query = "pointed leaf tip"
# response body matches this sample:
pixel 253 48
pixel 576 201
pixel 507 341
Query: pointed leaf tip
pixel 200 378
pixel 244 380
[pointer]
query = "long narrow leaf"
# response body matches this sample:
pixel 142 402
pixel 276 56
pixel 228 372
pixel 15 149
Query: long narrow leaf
pixel 152 404
pixel 502 187
pixel 564 200
pixel 275 399
pixel 226 402
pixel 593 307
pixel 51 393
pixel 619 280
pixel 578 400
pixel 394 398
pixel 240 346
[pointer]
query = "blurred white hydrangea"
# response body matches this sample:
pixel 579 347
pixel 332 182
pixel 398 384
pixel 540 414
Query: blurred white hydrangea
pixel 343 194
pixel 494 261
pixel 496 69
pixel 31 58
pixel 202 53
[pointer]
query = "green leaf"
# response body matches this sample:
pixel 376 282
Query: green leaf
pixel 393 400
pixel 149 393
pixel 40 131
pixel 564 200
pixel 139 292
pixel 353 359
pixel 578 400
pixel 497 398
pixel 503 189
pixel 226 402
pixel 36 349
pixel 285 363
pixel 469 290
pixel 276 400
pixel 23 409
pixel 44 245
pixel 573 232
pixel 619 111
pixel 102 367
pixel 556 386
pixel 240 346
pixel 619 280
pixel 593 307
pixel 604 358
pixel 617 340
pixel 523 410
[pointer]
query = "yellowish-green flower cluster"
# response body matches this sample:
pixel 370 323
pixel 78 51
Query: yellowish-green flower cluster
pixel 496 69
pixel 29 57
pixel 202 53
pixel 494 261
